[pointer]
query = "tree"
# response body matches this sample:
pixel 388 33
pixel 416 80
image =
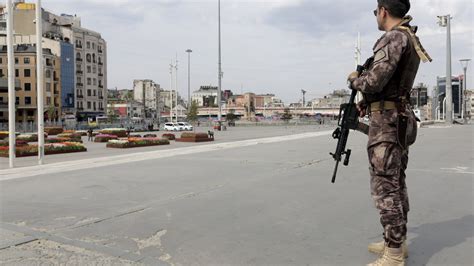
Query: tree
pixel 231 117
pixel 111 112
pixel 192 114
pixel 51 111
pixel 287 116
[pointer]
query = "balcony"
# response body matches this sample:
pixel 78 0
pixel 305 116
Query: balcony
pixel 79 46
pixel 101 86
pixel 78 59
pixel 80 109
pixel 100 51
pixel 101 109
pixel 100 63
pixel 79 85
pixel 56 91
pixel 80 96
pixel 101 75
pixel 101 97
pixel 79 72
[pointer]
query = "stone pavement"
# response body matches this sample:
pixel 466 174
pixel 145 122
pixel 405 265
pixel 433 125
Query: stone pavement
pixel 267 202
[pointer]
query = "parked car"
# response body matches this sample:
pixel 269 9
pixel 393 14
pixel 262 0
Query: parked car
pixel 186 126
pixel 171 127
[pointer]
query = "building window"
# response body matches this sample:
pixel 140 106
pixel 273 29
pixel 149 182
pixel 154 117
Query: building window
pixel 1 72
pixel 48 101
pixel 48 73
pixel 26 60
pixel 88 105
pixel 27 86
pixel 94 69
pixel 30 113
pixel 95 93
pixel 93 58
pixel 17 73
pixel 16 60
pixel 27 73
pixel 94 106
pixel 78 55
pixel 27 100
pixel 88 81
pixel 88 58
pixel 17 100
pixel 48 86
pixel 88 92
pixel 79 80
pixel 93 46
pixel 88 69
pixel 94 82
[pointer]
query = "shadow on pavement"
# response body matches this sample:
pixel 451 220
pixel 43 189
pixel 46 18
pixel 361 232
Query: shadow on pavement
pixel 433 237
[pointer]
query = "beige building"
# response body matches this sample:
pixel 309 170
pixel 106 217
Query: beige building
pixel 26 95
pixel 84 55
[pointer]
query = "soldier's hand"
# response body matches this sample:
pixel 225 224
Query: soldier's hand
pixel 362 108
pixel 354 75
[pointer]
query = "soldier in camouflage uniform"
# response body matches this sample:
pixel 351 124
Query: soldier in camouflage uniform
pixel 386 87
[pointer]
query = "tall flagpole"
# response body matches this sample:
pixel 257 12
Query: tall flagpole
pixel 39 80
pixel 220 67
pixel 11 87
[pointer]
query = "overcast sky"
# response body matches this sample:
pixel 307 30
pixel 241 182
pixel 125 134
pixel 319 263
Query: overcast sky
pixel 268 46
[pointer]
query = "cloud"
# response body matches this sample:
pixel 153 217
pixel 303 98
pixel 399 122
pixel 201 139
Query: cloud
pixel 278 46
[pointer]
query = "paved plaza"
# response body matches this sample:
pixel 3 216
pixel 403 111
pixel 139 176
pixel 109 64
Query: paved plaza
pixel 256 196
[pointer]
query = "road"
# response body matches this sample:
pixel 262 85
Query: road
pixel 239 202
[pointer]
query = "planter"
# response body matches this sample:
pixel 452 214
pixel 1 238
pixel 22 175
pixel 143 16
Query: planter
pixel 19 143
pixel 194 137
pixel 70 135
pixel 136 143
pixel 4 134
pixel 82 133
pixel 53 130
pixel 150 136
pixel 59 140
pixel 168 136
pixel 49 149
pixel 119 132
pixel 104 138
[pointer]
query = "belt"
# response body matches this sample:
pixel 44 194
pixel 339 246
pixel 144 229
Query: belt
pixel 382 106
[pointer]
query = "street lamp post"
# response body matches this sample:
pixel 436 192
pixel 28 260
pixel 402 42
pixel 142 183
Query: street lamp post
pixel 445 21
pixel 11 86
pixel 220 74
pixel 40 77
pixel 464 64
pixel 189 51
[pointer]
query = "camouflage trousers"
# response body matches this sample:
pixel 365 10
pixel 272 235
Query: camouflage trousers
pixel 388 163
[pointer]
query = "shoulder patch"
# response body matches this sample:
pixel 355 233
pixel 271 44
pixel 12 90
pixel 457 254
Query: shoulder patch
pixel 381 55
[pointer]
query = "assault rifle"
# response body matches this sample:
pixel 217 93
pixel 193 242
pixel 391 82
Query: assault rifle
pixel 348 119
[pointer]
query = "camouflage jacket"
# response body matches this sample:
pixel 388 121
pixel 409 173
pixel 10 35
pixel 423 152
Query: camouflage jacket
pixel 390 77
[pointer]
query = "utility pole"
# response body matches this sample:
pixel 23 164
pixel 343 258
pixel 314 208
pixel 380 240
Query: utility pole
pixel 11 87
pixel 144 104
pixel 39 80
pixel 358 55
pixel 304 92
pixel 189 51
pixel 445 21
pixel 464 64
pixel 176 84
pixel 171 91
pixel 220 74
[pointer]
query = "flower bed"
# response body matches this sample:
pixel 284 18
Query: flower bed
pixel 59 140
pixel 81 132
pixel 4 134
pixel 73 136
pixel 119 132
pixel 19 143
pixel 169 136
pixel 194 137
pixel 28 137
pixel 104 138
pixel 135 135
pixel 53 130
pixel 136 142
pixel 56 148
pixel 150 136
